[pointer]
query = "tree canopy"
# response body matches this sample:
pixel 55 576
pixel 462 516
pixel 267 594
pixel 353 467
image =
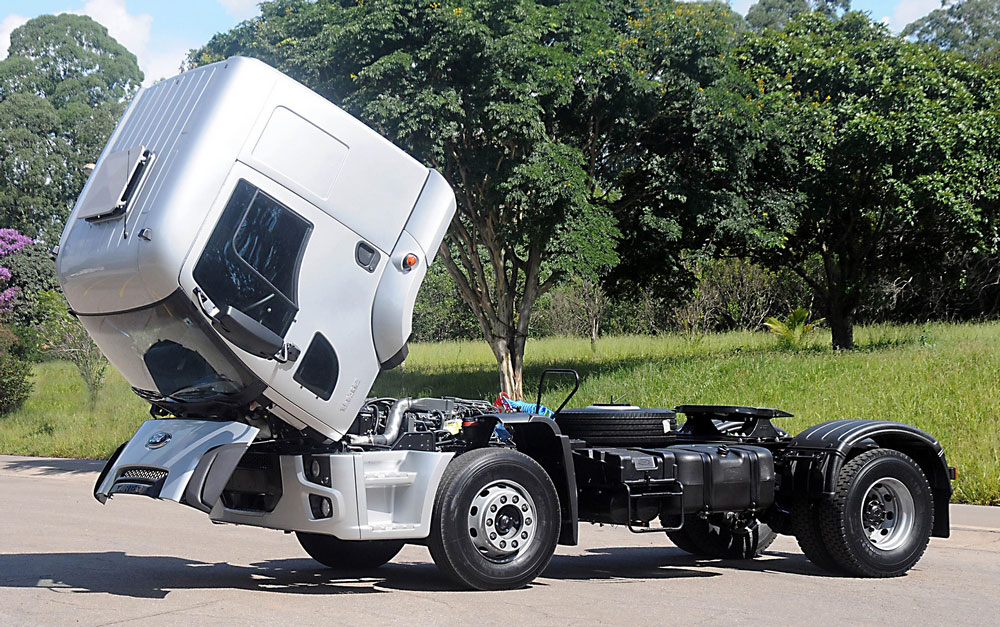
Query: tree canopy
pixel 775 13
pixel 63 87
pixel 532 110
pixel 968 27
pixel 876 155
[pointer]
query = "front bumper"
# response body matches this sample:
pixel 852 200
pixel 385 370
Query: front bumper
pixel 186 461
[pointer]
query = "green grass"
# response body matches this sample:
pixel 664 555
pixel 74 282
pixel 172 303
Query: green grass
pixel 940 378
pixel 57 420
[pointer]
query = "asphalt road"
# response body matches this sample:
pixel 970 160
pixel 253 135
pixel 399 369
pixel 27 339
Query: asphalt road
pixel 65 559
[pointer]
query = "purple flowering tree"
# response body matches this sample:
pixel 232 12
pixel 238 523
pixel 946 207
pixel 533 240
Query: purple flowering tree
pixel 11 241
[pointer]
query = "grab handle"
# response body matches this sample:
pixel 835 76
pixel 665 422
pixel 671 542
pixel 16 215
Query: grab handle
pixel 576 386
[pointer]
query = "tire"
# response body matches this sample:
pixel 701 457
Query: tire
pixel 623 427
pixel 806 529
pixel 879 521
pixel 477 489
pixel 723 536
pixel 348 555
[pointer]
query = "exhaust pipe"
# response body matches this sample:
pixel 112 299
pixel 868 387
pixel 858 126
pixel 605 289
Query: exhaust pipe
pixel 392 426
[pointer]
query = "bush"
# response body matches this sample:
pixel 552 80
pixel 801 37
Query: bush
pixel 644 312
pixel 29 343
pixel 746 294
pixel 15 384
pixel 66 338
pixel 793 331
pixel 32 271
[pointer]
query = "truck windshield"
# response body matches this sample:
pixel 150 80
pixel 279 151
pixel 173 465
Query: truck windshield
pixel 167 350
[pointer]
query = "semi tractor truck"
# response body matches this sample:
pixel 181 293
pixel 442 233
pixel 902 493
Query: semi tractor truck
pixel 248 255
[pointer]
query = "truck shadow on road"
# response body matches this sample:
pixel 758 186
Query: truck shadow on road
pixel 153 577
pixel 52 467
pixel 646 563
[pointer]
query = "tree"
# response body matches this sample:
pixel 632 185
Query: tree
pixel 875 156
pixel 439 313
pixel 63 87
pixel 968 27
pixel 775 13
pixel 531 110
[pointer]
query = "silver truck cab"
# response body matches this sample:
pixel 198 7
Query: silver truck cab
pixel 242 239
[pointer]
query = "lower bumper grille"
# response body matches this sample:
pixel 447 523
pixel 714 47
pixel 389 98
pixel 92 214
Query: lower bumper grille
pixel 150 475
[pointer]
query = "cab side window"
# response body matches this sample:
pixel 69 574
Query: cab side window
pixel 252 259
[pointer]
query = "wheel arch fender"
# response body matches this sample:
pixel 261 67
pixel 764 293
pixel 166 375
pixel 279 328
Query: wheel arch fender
pixel 817 455
pixel 539 438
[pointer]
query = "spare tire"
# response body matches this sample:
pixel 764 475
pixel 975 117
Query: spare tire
pixel 617 425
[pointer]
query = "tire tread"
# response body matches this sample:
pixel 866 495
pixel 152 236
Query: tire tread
pixel 831 517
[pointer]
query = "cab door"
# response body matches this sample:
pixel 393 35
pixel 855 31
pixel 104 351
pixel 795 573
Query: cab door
pixel 296 270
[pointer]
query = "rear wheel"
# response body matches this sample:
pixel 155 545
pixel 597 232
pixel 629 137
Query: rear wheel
pixel 806 528
pixel 879 521
pixel 724 536
pixel 496 520
pixel 348 555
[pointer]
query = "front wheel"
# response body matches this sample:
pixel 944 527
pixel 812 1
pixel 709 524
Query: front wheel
pixel 495 521
pixel 348 555
pixel 724 536
pixel 879 521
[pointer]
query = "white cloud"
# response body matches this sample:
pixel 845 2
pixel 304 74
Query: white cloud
pixel 906 11
pixel 7 26
pixel 157 60
pixel 741 6
pixel 163 62
pixel 240 9
pixel 131 31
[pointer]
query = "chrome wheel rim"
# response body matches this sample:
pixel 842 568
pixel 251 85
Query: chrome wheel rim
pixel 887 513
pixel 502 520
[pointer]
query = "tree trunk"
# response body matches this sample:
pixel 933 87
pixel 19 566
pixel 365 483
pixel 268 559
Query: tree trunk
pixel 843 284
pixel 501 302
pixel 841 320
pixel 509 366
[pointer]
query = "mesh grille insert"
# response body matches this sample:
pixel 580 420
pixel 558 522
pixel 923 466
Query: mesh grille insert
pixel 143 474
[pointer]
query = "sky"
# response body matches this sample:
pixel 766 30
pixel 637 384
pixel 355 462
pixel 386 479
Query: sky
pixel 160 32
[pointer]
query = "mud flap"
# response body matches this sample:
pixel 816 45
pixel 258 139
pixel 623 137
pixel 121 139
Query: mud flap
pixel 186 461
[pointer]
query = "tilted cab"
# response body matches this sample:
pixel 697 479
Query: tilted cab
pixel 233 211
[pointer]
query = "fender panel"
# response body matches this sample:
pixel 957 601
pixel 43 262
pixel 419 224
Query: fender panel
pixel 539 438
pixel 818 453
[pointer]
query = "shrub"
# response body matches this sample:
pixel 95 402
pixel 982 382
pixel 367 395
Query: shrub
pixel 15 384
pixel 793 331
pixel 747 293
pixel 643 312
pixel 66 338
pixel 29 343
pixel 10 242
pixel 32 271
